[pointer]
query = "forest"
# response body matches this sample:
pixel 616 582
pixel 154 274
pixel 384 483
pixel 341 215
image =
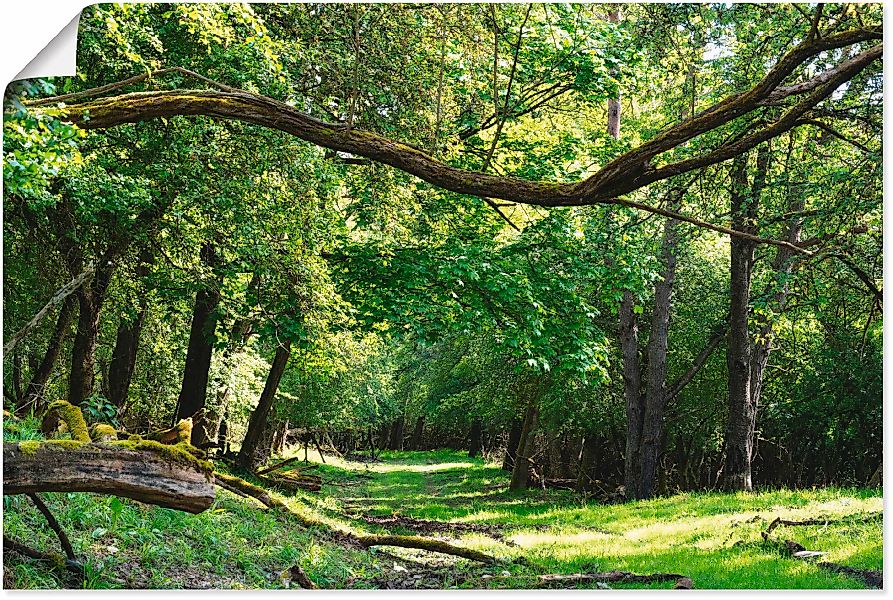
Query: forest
pixel 452 296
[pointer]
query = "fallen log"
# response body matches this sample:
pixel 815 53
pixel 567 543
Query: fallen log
pixel 143 470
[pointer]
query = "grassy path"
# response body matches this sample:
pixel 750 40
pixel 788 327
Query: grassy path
pixel 712 538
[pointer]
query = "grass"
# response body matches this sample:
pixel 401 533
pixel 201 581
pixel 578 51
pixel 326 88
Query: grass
pixel 712 538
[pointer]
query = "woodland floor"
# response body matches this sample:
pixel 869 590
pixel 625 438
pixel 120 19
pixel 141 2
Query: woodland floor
pixel 714 539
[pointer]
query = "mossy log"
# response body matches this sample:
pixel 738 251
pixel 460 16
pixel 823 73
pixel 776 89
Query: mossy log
pixel 147 471
pixel 420 543
pixel 62 412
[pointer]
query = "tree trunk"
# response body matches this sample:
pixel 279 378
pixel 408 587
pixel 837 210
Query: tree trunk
pixel 83 353
pixel 415 443
pixel 474 442
pixel 396 437
pixel 632 391
pixel 742 411
pixel 521 468
pixel 588 460
pixel 511 449
pixel 258 420
pixel 35 390
pixel 655 398
pixel 194 389
pixel 124 356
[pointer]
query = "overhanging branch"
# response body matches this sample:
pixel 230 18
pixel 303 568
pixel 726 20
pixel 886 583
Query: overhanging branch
pixel 623 175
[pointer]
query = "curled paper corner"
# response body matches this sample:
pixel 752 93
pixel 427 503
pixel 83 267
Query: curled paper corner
pixel 58 58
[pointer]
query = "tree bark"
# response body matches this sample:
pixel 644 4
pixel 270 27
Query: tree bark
pixel 35 390
pixel 741 425
pixel 83 353
pixel 656 398
pixel 396 436
pixel 194 389
pixel 258 422
pixel 521 468
pixel 124 355
pixel 415 442
pixel 475 443
pixel 632 391
pixel 511 450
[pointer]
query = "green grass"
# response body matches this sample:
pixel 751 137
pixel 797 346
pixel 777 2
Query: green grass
pixel 712 538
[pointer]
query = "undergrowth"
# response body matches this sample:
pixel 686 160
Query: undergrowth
pixel 712 538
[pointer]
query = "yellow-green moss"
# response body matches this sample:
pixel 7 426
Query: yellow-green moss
pixel 29 447
pixel 181 432
pixel 72 417
pixel 181 453
pixel 66 444
pixel 134 438
pixel 103 432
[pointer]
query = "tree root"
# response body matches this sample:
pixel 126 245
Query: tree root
pixel 402 541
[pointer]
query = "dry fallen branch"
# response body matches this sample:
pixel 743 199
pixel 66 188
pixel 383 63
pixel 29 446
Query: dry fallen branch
pixel 72 565
pixel 54 525
pixel 278 465
pixel 862 518
pixel 420 543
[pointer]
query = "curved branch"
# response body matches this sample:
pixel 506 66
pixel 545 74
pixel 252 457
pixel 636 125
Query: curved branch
pixel 624 174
